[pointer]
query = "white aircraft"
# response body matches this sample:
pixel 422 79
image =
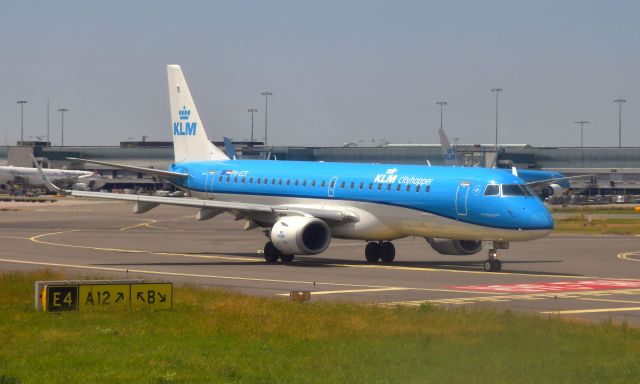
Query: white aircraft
pixel 303 205
pixel 30 177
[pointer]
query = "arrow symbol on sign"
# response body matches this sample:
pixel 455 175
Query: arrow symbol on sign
pixel 140 297
pixel 163 298
pixel 120 297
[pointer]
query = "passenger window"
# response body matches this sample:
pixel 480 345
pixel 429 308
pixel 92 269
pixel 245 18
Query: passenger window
pixel 220 178
pixel 228 178
pixel 259 180
pixel 352 185
pixel 418 188
pixel 235 179
pixel 251 180
pixel 288 181
pixel 427 188
pixel 332 184
pixel 304 183
pixel 397 187
pixel 379 186
pixel 408 188
pixel 313 183
pixel 295 183
pixel 279 181
pixel 323 183
pixel 361 185
pixel 242 181
pixel 492 190
pixel 265 180
pixel 273 181
pixel 370 186
pixel 342 185
pixel 388 187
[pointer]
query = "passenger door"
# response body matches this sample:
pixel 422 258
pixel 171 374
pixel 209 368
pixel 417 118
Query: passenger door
pixel 461 198
pixel 332 186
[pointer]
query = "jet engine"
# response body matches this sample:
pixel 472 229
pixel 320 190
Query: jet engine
pixel 299 235
pixel 553 190
pixel 454 247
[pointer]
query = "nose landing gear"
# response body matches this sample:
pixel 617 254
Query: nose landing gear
pixel 492 264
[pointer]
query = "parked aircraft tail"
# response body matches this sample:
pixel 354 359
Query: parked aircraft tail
pixel 450 157
pixel 190 141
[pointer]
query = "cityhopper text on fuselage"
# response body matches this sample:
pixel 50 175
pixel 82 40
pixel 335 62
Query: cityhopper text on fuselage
pixel 302 206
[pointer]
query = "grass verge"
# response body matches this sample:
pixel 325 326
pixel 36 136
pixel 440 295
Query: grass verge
pixel 581 224
pixel 214 336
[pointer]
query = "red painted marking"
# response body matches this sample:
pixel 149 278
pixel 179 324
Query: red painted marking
pixel 584 285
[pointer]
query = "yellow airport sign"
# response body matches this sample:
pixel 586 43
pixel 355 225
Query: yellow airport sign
pixel 101 295
pixel 150 295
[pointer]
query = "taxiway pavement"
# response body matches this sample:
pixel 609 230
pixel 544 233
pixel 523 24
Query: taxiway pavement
pixel 580 276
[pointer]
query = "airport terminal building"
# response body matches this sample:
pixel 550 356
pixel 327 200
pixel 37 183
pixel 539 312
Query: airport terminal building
pixel 616 171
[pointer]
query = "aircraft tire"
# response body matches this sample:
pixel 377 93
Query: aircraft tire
pixel 287 258
pixel 271 253
pixel 494 265
pixel 372 252
pixel 387 252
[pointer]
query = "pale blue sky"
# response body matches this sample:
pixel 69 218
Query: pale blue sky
pixel 340 71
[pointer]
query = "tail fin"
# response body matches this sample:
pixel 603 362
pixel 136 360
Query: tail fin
pixel 450 157
pixel 190 142
pixel 229 149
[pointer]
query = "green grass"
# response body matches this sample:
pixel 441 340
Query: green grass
pixel 214 336
pixel 590 209
pixel 581 224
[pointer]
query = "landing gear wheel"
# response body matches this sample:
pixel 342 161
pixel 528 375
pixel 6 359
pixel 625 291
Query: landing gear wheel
pixel 271 253
pixel 287 258
pixel 388 252
pixel 372 252
pixel 492 265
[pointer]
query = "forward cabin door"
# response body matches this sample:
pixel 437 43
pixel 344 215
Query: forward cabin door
pixel 461 198
pixel 208 183
pixel 332 186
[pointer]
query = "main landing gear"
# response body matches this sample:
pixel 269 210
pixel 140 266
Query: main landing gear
pixel 492 264
pixel 272 254
pixel 383 250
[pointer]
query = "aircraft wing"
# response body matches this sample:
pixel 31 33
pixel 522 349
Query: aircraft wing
pixel 150 171
pixel 325 213
pixel 546 182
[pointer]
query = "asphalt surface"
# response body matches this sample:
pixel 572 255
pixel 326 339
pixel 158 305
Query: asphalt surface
pixel 595 278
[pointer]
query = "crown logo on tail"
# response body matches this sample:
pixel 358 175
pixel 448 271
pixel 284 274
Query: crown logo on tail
pixel 184 113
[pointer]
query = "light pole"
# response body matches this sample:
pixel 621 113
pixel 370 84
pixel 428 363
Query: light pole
pixel 252 111
pixel 441 104
pixel 497 91
pixel 582 123
pixel 62 111
pixel 22 103
pixel 266 95
pixel 619 101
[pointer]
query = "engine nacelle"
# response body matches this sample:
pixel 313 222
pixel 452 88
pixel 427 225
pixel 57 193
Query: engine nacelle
pixel 553 190
pixel 299 235
pixel 454 247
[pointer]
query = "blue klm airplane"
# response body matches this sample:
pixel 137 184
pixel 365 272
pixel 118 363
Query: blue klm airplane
pixel 302 206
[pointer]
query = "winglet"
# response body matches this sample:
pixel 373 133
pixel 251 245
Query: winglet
pixel 50 186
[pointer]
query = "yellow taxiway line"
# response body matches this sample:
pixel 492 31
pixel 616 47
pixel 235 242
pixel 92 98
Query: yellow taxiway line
pixel 610 300
pixel 628 256
pixel 316 293
pixel 601 310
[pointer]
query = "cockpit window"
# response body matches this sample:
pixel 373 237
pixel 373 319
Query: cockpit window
pixel 492 190
pixel 515 190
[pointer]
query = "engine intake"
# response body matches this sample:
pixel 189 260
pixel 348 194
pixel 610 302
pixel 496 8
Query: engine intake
pixel 298 235
pixel 454 247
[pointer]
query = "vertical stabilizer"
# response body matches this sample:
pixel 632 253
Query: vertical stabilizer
pixel 190 141
pixel 450 157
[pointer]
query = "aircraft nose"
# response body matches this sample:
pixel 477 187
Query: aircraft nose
pixel 534 216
